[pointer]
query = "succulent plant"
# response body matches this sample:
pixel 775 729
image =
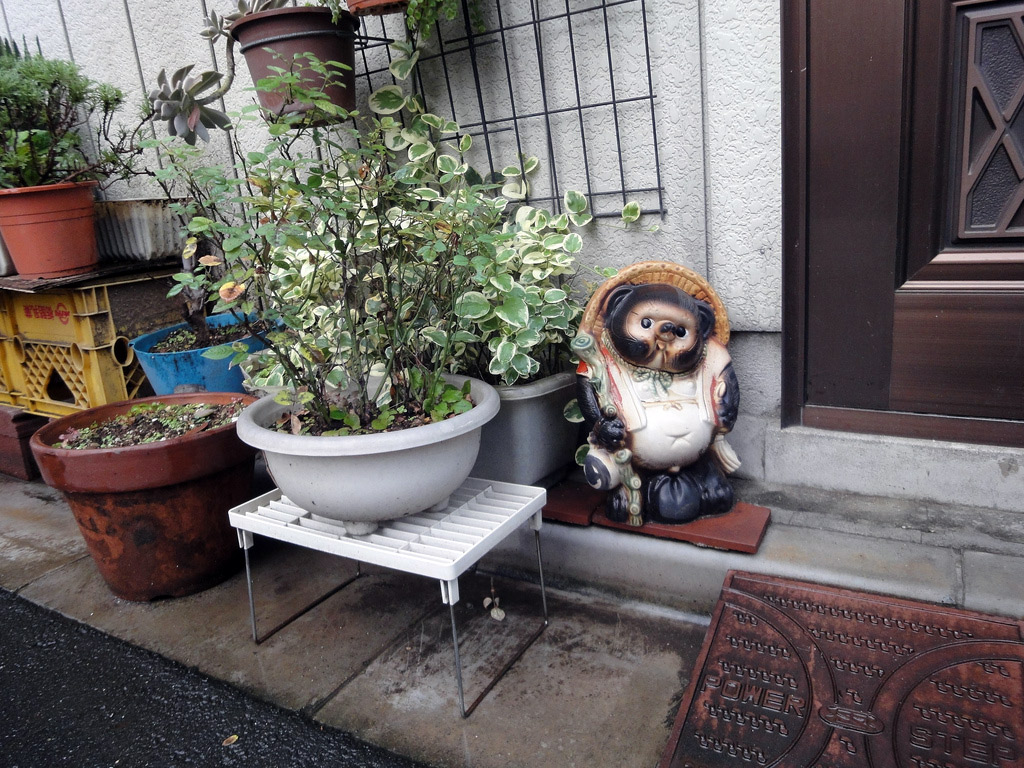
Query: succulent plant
pixel 184 99
pixel 180 100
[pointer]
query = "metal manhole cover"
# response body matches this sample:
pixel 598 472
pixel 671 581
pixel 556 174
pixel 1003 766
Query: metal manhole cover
pixel 797 675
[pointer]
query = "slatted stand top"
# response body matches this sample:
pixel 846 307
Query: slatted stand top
pixel 440 545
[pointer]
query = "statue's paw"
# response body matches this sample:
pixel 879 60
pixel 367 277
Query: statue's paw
pixel 610 433
pixel 718 496
pixel 597 474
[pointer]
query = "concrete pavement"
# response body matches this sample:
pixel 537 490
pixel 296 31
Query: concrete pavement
pixel 601 685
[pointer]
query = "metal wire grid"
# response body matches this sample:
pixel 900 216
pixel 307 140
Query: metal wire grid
pixel 567 81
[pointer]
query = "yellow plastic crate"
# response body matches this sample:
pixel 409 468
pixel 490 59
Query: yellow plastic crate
pixel 55 379
pixel 75 316
pixel 64 350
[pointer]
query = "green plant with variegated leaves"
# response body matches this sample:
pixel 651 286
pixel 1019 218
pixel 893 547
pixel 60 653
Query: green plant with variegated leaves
pixel 352 247
pixel 421 17
pixel 516 320
pixel 522 312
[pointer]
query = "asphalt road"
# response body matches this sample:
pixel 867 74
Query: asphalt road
pixel 72 696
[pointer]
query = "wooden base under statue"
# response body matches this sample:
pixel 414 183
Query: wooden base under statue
pixel 741 529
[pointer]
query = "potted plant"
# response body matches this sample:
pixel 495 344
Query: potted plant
pixel 197 355
pixel 47 177
pixel 201 353
pixel 355 258
pixel 376 7
pixel 312 42
pixel 150 482
pixel 520 317
pixel 421 16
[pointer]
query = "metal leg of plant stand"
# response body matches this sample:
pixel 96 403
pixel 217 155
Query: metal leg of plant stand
pixel 450 591
pixel 301 612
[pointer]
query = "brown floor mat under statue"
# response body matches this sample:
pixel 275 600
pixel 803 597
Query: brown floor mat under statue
pixel 797 675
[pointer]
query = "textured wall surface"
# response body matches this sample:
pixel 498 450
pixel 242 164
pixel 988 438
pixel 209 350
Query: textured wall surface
pixel 715 76
pixel 743 149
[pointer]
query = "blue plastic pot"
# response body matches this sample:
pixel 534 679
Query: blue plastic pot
pixel 170 372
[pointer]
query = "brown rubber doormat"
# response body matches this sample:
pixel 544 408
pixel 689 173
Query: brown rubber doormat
pixel 796 675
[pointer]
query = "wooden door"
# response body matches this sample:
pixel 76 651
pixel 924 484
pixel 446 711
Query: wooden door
pixel 903 193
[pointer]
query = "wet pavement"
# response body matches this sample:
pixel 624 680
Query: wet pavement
pixel 599 688
pixel 73 696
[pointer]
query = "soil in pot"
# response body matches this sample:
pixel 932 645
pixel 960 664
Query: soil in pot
pixel 186 339
pixel 153 516
pixel 151 422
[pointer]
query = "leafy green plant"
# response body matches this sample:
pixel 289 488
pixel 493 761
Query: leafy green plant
pixel 354 250
pixel 516 318
pixel 523 308
pixel 46 106
pixel 185 100
pixel 421 16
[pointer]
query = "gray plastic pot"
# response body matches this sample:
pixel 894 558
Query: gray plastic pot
pixel 530 438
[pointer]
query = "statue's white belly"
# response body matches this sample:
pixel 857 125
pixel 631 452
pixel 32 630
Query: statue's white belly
pixel 675 435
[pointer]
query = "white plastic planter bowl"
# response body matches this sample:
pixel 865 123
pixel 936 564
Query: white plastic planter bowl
pixel 361 480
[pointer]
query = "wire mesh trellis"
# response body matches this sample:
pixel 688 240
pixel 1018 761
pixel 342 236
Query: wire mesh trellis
pixel 567 81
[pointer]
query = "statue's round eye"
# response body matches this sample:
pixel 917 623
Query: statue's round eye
pixel 680 332
pixel 646 323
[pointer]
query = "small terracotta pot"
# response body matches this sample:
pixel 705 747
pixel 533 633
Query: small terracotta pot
pixel 376 7
pixel 272 39
pixel 48 230
pixel 154 516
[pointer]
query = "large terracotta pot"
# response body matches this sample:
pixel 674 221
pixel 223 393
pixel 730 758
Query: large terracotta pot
pixel 361 480
pixel 153 516
pixel 48 230
pixel 272 39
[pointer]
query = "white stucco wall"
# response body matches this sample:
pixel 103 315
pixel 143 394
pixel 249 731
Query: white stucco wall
pixel 716 80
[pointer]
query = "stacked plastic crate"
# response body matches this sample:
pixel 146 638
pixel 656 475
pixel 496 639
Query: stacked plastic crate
pixel 61 352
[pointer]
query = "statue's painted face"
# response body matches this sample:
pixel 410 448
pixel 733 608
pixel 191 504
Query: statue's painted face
pixel 658 326
pixel 664 332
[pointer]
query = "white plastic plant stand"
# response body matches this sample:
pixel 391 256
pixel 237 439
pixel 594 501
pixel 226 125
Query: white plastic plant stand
pixel 440 544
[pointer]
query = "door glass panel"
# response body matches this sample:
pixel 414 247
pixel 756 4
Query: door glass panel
pixel 990 93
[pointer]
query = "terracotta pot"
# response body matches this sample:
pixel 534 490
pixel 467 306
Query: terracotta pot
pixel 271 39
pixel 376 7
pixel 154 516
pixel 48 230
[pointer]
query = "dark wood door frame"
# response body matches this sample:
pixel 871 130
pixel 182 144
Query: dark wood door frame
pixel 796 410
